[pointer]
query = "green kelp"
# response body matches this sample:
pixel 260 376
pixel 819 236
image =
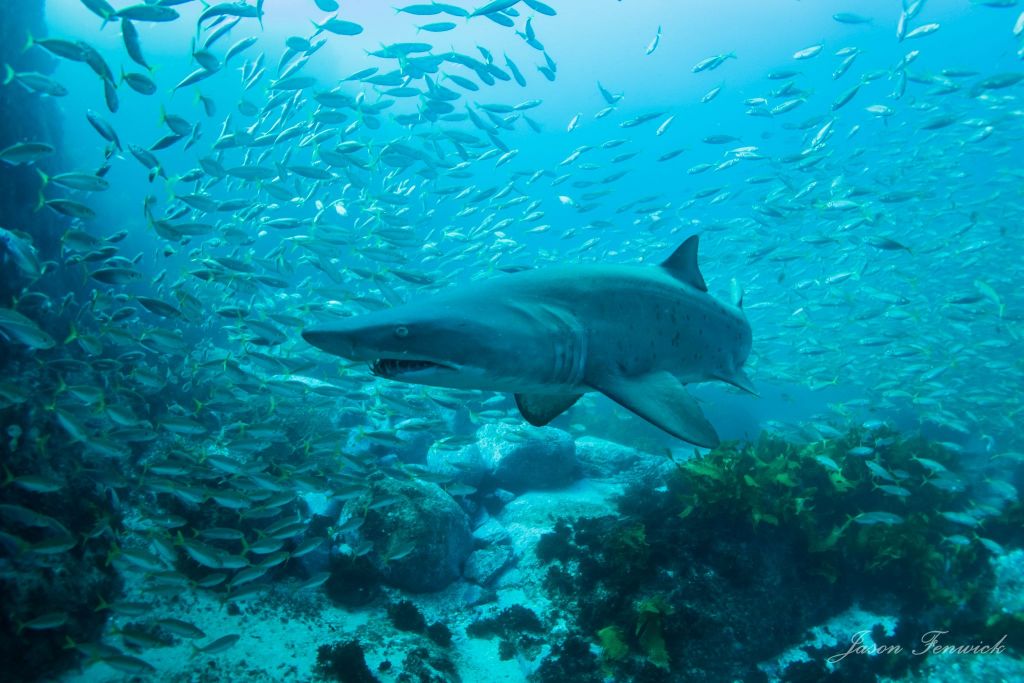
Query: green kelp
pixel 779 537
pixel 650 613
pixel 886 516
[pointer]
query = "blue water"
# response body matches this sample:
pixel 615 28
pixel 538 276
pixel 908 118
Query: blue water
pixel 863 150
pixel 874 234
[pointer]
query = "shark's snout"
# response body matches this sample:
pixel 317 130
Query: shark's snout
pixel 392 359
pixel 335 341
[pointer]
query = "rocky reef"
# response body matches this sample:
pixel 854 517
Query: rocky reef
pixel 752 545
pixel 757 561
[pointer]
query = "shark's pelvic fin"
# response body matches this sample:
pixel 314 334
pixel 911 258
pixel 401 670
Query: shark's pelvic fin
pixel 539 409
pixel 683 264
pixel 740 380
pixel 662 400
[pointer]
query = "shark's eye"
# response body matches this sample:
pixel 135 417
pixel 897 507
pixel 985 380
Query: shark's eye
pixel 401 331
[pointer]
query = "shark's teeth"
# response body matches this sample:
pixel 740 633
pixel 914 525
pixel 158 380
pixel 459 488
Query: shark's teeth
pixel 390 367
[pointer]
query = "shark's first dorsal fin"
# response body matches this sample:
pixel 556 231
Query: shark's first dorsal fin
pixel 683 264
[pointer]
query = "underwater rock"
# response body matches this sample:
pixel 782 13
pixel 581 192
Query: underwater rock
pixel 705 596
pixel 320 504
pixel 1007 595
pixel 603 459
pixel 416 446
pixel 420 535
pixel 833 638
pixel 514 457
pixel 486 564
pixel 353 582
pixel 466 463
pixel 473 596
pixel 754 539
pixel 491 532
pixel 532 514
pixel 524 458
pixel 314 561
pixel 502 496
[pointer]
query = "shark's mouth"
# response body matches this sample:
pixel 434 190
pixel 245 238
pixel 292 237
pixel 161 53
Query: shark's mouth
pixel 394 367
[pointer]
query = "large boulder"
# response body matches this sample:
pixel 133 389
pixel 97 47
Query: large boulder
pixel 420 535
pixel 522 458
pixel 601 459
pixel 487 564
pixel 463 463
pixel 535 513
pixel 1008 594
pixel 493 554
pixel 514 457
pixel 490 532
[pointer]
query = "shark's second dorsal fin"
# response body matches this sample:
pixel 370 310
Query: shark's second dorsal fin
pixel 683 264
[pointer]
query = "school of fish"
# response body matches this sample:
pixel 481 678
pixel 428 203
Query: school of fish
pixel 873 221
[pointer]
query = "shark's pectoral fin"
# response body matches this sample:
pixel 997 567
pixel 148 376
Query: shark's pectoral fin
pixel 662 400
pixel 740 380
pixel 539 409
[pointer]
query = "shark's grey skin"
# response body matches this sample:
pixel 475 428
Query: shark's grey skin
pixel 637 334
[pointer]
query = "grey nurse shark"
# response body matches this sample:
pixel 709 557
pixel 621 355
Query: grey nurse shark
pixel 637 334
